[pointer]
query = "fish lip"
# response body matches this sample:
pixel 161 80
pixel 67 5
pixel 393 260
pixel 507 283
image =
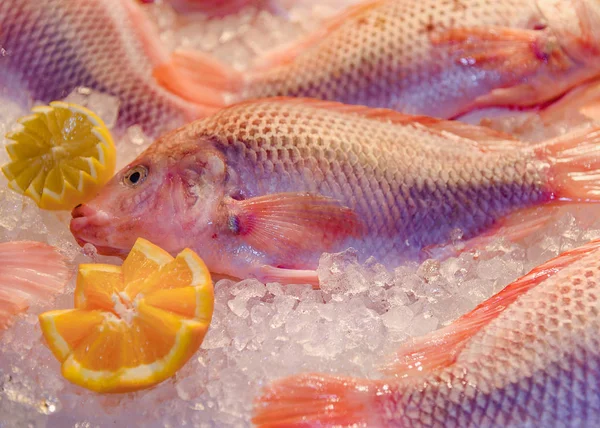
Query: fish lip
pixel 101 249
pixel 78 225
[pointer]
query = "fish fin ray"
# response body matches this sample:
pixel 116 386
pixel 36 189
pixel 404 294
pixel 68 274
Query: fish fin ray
pixel 440 348
pixel 31 271
pixel 284 223
pixel 199 79
pixel 574 165
pixel 589 22
pixel 287 54
pixel 518 52
pixel 289 276
pixel 315 398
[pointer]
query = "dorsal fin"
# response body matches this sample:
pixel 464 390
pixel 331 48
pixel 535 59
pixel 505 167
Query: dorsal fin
pixel 485 139
pixel 287 54
pixel 440 348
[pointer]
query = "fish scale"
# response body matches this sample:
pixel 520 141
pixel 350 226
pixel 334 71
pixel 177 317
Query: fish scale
pixel 299 177
pixel 54 46
pixel 546 341
pixel 384 58
pixel 377 151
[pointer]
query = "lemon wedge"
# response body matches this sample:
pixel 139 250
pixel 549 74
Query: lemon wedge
pixel 61 156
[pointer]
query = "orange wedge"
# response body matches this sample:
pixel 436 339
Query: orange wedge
pixel 133 325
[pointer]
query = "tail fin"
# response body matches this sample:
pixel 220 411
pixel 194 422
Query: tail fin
pixel 29 271
pixel 200 79
pixel 318 399
pixel 574 172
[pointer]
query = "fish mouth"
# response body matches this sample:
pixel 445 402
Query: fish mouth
pixel 85 227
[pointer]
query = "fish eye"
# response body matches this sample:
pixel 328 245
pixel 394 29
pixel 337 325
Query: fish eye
pixel 135 176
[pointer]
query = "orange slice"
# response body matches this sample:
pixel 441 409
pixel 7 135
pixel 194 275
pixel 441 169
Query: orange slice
pixel 133 325
pixel 61 156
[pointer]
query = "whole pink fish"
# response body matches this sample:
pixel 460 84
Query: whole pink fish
pixel 50 47
pixel 264 187
pixel 528 356
pixel 430 57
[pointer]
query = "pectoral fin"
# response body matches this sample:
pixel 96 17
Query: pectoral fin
pixel 282 224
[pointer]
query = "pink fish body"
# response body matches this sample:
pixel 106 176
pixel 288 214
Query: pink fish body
pixel 50 47
pixel 431 57
pixel 528 356
pixel 263 188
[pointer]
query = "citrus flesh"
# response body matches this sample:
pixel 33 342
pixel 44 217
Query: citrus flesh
pixel 133 325
pixel 61 156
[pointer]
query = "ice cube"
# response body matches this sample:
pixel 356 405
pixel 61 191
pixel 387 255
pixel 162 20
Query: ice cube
pixel 491 269
pixel 422 324
pixel 283 306
pixel 341 274
pixel 260 312
pixel 188 388
pixel 397 319
pixel 104 105
pixel 243 292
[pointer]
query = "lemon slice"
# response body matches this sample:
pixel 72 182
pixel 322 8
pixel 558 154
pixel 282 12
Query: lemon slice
pixel 134 325
pixel 61 156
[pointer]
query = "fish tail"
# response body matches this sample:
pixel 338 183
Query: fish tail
pixel 29 272
pixel 574 165
pixel 201 79
pixel 318 399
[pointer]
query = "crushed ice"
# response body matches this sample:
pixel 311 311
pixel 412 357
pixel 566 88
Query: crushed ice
pixel 260 332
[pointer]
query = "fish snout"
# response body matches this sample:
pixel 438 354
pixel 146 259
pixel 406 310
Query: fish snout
pixel 82 210
pixel 87 222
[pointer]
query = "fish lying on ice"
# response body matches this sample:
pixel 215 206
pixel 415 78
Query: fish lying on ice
pixel 430 57
pixel 29 272
pixel 264 187
pixel 50 47
pixel 528 356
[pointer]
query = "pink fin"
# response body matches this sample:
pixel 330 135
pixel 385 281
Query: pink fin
pixel 285 223
pixel 584 99
pixel 289 53
pixel 289 276
pixel 591 111
pixel 512 52
pixel 478 137
pixel 198 78
pixel 574 165
pixel 441 348
pixel 319 400
pixel 589 23
pixel 29 272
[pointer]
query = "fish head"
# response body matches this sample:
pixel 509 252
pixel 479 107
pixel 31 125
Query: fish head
pixel 576 28
pixel 170 195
